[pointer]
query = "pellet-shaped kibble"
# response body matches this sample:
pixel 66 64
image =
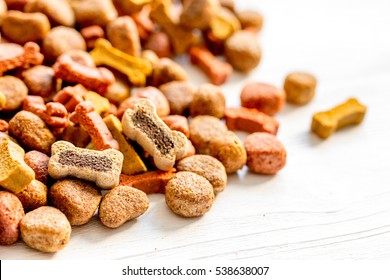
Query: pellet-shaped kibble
pixel 11 212
pixel 300 87
pixel 266 155
pixel 45 229
pixel 189 195
pixel 77 199
pixel 39 162
pixel 122 204
pixel 14 92
pixel 33 196
pixel 59 12
pixel 208 167
pixel 208 100
pixel 179 95
pixel 40 80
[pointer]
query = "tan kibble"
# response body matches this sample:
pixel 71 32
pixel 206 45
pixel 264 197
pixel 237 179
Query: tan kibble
pixel 59 12
pixel 250 19
pixel 208 100
pixel 128 7
pixel 229 150
pixel 179 95
pixel 94 12
pixel 45 229
pixel 14 91
pixel 243 51
pixel 77 199
pixel 122 204
pixel 189 195
pixel 38 162
pixel 198 13
pixel 167 70
pixel 24 27
pixel 300 87
pixel 160 43
pixel 11 212
pixel 208 167
pixel 203 129
pixel 33 196
pixel 3 7
pixel 224 24
pixel 40 80
pixel 31 131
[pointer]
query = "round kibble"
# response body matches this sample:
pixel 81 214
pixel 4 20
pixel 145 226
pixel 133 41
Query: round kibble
pixel 263 97
pixel 122 204
pixel 123 35
pixel 33 196
pixel 59 12
pixel 208 100
pixel 14 91
pixel 40 80
pixel 94 12
pixel 266 155
pixel 243 51
pixel 158 99
pixel 229 150
pixel 31 131
pixel 77 199
pixel 160 43
pixel 189 195
pixel 250 19
pixel 166 70
pixel 45 229
pixel 198 13
pixel 38 162
pixel 300 87
pixel 11 212
pixel 203 129
pixel 208 167
pixel 179 95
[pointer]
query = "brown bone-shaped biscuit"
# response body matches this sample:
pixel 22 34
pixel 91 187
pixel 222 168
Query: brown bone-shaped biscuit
pixel 144 126
pixel 101 167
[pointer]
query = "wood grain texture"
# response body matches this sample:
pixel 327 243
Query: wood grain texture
pixel 331 201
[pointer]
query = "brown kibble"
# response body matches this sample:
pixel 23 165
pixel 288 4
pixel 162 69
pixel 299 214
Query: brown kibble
pixel 198 13
pixel 179 96
pixel 40 80
pixel 243 51
pixel 250 120
pixel 31 131
pixel 122 204
pixel 178 123
pixel 189 195
pixel 76 135
pixel 59 12
pixel 94 12
pixel 300 87
pixel 266 155
pixel 251 19
pixel 25 27
pixel 214 45
pixel 81 57
pixel 45 229
pixel 17 4
pixel 144 24
pixel 14 91
pixel 189 150
pixel 229 150
pixel 167 70
pixel 208 100
pixel 118 92
pixel 263 97
pixel 3 126
pixel 91 34
pixel 224 24
pixel 11 212
pixel 207 167
pixel 39 163
pixel 228 4
pixel 70 97
pixel 149 182
pixel 77 199
pixel 160 43
pixel 127 7
pixel 33 196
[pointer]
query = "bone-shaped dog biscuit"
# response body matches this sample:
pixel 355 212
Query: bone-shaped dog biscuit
pixel 349 113
pixel 144 126
pixel 101 167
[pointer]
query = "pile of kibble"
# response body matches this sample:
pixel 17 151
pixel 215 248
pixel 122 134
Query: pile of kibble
pixel 95 114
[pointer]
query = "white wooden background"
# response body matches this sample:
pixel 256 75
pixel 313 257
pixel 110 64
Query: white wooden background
pixel 331 201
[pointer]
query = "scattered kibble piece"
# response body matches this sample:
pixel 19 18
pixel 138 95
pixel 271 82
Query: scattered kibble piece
pixel 300 87
pixel 33 196
pixel 208 100
pixel 11 213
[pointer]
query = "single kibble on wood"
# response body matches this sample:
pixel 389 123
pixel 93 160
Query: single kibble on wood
pixel 39 162
pixel 33 196
pixel 21 27
pixel 351 112
pixel 101 167
pixel 77 199
pixel 208 100
pixel 207 167
pixel 189 195
pixel 300 87
pixel 122 204
pixel 31 131
pixel 132 163
pixel 264 97
pixel 11 213
pixel 14 91
pixel 250 120
pixel 250 19
pixel 266 155
pixel 149 182
pixel 59 12
pixel 144 126
pixel 179 95
pixel 45 229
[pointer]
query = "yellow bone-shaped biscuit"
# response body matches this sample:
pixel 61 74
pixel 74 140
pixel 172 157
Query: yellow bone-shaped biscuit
pixel 144 126
pixel 132 163
pixel 3 100
pixel 101 167
pixel 15 174
pixel 349 113
pixel 135 68
pixel 100 103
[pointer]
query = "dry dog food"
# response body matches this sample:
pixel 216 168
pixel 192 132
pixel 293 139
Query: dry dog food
pixel 33 196
pixel 158 99
pixel 101 167
pixel 144 126
pixel 179 95
pixel 198 13
pixel 178 123
pixel 208 167
pixel 45 229
pixel 208 100
pixel 299 87
pixel 224 24
pixel 263 97
pixel 189 195
pixel 351 112
pixel 40 80
pixel 160 44
pixel 11 212
pixel 122 204
pixel 266 155
pixel 77 199
pixel 14 91
pixel 94 12
pixel 250 20
pixel 39 162
pixel 166 70
pixel 59 12
pixel 149 182
pixel 91 34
